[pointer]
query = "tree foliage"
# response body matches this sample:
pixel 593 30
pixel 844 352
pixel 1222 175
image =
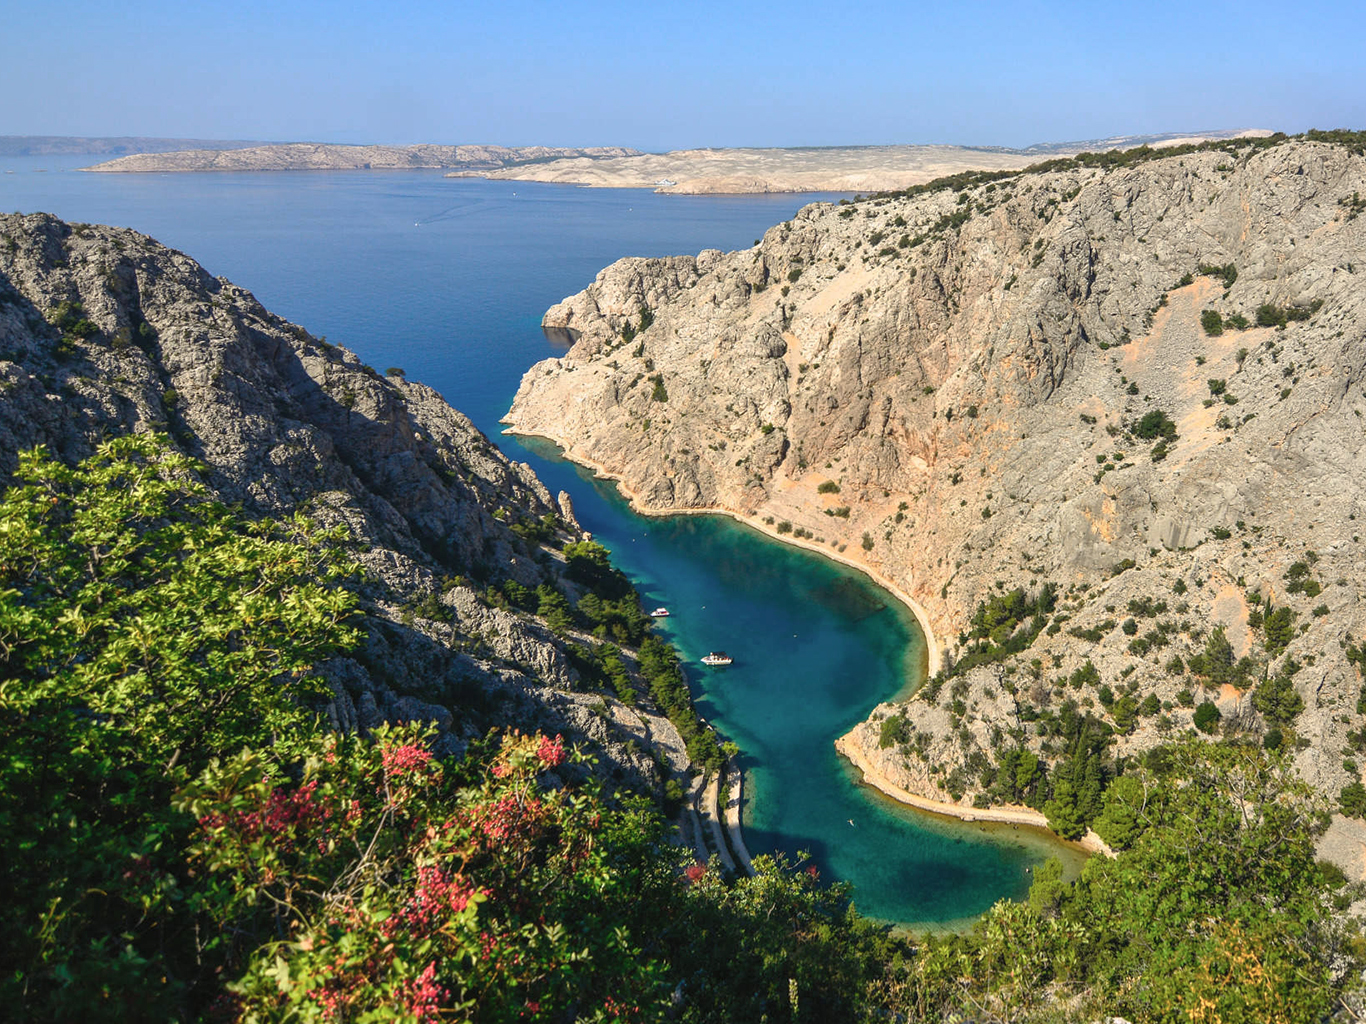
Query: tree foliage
pixel 143 629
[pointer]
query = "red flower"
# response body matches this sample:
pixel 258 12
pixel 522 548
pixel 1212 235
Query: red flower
pixel 422 997
pixel 407 758
pixel 695 872
pixel 551 752
pixel 436 895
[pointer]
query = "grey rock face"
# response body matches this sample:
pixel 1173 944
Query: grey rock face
pixel 967 373
pixel 286 421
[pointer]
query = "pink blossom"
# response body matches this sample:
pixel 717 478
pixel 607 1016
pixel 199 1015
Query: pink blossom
pixel 422 997
pixel 436 895
pixel 551 752
pixel 284 810
pixel 407 758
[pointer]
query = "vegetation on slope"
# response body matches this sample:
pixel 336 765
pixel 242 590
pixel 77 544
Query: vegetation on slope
pixel 183 842
pixel 1353 141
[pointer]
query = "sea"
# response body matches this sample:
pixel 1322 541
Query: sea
pixel 447 278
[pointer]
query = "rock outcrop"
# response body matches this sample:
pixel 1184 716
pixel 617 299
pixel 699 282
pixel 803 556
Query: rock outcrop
pixel 104 331
pixel 1137 379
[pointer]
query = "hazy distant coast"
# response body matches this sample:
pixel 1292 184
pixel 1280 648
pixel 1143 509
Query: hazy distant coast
pixel 823 169
pixel 309 156
pixel 690 171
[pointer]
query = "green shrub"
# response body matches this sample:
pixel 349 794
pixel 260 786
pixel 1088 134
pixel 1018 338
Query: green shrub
pixel 1352 800
pixel 1212 322
pixel 893 731
pixel 1207 717
pixel 1156 424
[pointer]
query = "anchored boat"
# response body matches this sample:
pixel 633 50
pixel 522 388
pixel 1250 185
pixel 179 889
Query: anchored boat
pixel 717 658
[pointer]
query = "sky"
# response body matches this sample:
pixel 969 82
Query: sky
pixel 657 75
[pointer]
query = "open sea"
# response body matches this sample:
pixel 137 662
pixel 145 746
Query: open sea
pixel 448 278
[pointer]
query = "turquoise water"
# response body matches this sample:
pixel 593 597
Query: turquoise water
pixel 448 279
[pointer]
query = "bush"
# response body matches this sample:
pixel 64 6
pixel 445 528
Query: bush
pixel 1277 700
pixel 1207 717
pixel 893 731
pixel 1352 800
pixel 1278 629
pixel 1212 322
pixel 1156 424
pixel 828 487
pixel 1269 315
pixel 1228 273
pixel 193 635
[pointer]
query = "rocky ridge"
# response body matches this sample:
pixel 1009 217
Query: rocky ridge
pixel 810 169
pixel 317 156
pixel 104 331
pixel 1009 381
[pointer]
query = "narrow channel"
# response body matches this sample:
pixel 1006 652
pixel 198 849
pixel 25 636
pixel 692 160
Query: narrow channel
pixel 816 645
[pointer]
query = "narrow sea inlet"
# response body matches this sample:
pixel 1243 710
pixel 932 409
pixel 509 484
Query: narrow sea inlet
pixel 816 646
pixel 447 280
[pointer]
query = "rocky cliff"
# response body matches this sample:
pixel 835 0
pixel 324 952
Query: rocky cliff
pixel 104 331
pixel 1138 379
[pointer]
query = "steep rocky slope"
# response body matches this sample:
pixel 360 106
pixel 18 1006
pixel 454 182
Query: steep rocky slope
pixel 104 331
pixel 974 387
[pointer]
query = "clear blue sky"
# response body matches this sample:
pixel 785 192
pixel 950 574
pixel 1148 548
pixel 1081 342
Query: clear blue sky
pixel 660 75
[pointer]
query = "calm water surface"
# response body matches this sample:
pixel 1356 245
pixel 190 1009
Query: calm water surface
pixel 448 279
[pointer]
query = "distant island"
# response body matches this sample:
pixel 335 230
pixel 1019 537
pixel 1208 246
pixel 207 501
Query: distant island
pixel 315 156
pixel 815 169
pixel 691 171
pixel 111 145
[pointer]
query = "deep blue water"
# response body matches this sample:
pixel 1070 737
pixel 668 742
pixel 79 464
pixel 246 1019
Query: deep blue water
pixel 448 279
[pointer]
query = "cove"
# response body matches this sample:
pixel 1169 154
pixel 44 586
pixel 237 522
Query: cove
pixel 448 280
pixel 817 645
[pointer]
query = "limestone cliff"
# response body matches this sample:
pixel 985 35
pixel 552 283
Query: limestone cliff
pixel 1017 379
pixel 104 331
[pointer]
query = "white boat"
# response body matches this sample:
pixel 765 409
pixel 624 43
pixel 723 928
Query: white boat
pixel 717 658
pixel 660 613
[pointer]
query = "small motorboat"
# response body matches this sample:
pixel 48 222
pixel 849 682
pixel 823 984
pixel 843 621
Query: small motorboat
pixel 717 658
pixel 660 613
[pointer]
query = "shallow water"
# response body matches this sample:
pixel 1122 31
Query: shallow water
pixel 448 278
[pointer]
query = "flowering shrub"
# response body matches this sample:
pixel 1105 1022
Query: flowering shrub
pixel 401 892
